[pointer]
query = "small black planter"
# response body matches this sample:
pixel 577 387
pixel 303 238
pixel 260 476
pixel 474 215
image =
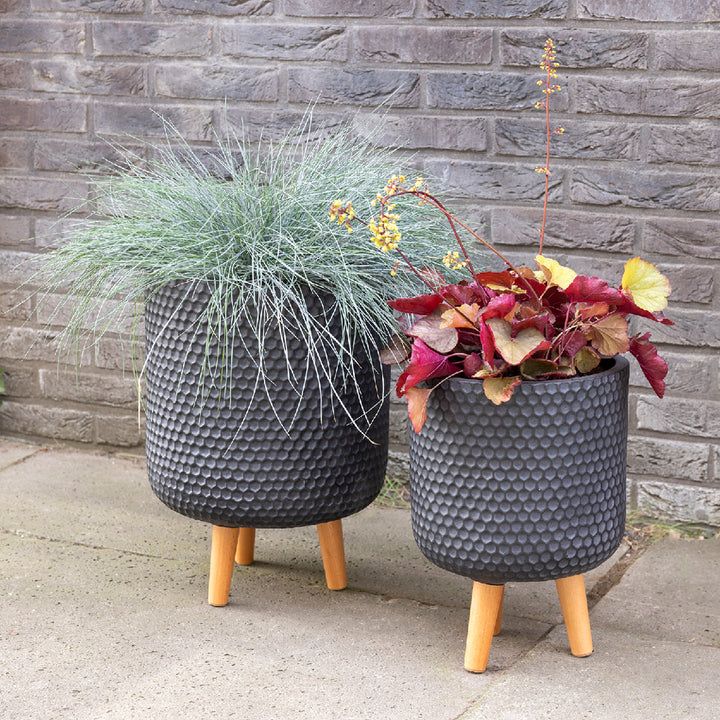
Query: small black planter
pixel 231 463
pixel 533 489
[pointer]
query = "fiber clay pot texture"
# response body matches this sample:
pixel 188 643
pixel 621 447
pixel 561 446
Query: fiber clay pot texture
pixel 533 489
pixel 227 459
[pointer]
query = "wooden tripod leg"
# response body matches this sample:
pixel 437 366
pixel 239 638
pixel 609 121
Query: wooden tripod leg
pixel 573 602
pixel 333 554
pixel 484 609
pixel 245 553
pixel 222 556
pixel 498 620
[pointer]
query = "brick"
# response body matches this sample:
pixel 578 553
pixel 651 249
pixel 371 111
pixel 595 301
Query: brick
pixel 216 7
pixel 649 10
pixel 284 42
pixel 18 266
pixel 419 132
pixel 350 8
pixel 698 328
pixel 494 9
pixel 119 431
pixel 690 283
pixel 356 86
pixel 493 181
pixel 192 122
pixel 88 387
pixel 679 503
pixel 576 48
pixel 51 232
pixel 34 344
pixel 687 144
pixel 79 156
pixel 15 305
pixel 695 418
pixel 470 46
pixel 58 423
pixel 662 97
pixel 14 230
pixel 217 82
pixel 629 188
pixel 40 193
pixel 398 466
pixel 567 230
pixel 693 51
pixel 57 310
pixel 99 6
pixel 486 91
pixel 686 238
pixel 668 459
pixel 40 36
pixel 113 353
pixel 140 39
pixel 605 141
pixel 52 115
pixel 89 78
pixel 13 74
pixel 687 374
pixel 13 154
pixel 20 381
pixel 254 123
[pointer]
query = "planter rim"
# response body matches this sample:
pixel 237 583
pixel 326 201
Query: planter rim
pixel 617 363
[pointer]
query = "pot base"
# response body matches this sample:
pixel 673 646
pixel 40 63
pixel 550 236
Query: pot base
pixel 486 611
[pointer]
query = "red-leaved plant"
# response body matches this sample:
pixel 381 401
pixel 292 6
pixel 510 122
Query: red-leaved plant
pixel 517 324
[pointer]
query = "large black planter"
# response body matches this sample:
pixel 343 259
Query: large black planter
pixel 229 460
pixel 533 489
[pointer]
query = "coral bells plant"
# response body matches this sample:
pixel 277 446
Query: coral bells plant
pixel 512 326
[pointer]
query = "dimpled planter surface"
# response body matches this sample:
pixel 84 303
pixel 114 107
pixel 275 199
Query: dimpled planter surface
pixel 203 463
pixel 533 489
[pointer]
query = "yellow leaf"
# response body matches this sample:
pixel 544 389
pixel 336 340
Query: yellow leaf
pixel 555 273
pixel 515 349
pixel 499 389
pixel 645 284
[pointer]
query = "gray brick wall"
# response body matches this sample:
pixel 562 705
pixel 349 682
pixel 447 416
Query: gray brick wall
pixel 637 172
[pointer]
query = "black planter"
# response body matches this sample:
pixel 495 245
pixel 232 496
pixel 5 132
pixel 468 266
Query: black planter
pixel 228 460
pixel 533 489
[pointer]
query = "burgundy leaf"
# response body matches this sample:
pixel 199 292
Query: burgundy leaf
pixel 418 305
pixel 424 364
pixel 472 364
pixel 653 366
pixel 586 289
pixel 499 306
pixel 503 279
pixel 571 344
pixel 459 294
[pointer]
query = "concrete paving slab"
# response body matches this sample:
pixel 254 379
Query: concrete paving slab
pixel 14 452
pixel 104 500
pixel 98 633
pixel 671 593
pixel 628 677
pixel 657 649
pixel 103 614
